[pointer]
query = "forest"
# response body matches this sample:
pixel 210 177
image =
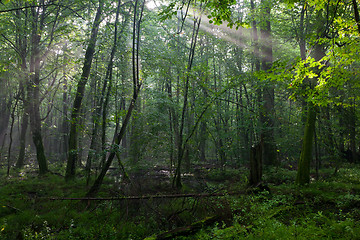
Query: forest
pixel 191 119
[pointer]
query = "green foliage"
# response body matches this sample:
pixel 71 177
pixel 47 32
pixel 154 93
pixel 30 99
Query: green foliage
pixel 328 208
pixel 319 211
pixel 221 175
pixel 277 175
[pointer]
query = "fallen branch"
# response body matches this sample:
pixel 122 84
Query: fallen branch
pixel 187 230
pixel 12 208
pixel 198 195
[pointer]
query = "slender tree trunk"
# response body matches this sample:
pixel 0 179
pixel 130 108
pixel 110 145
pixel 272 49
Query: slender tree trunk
pixel 202 143
pixel 352 133
pixel 73 141
pixel 267 118
pixel 256 155
pixel 172 126
pixel 11 136
pixel 24 127
pixel 109 79
pixel 317 156
pixel 136 89
pixel 256 152
pixel 97 184
pixel 101 105
pixel 181 147
pixel 63 147
pixel 302 33
pixel 5 105
pixel 25 116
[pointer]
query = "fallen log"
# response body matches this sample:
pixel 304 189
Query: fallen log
pixel 195 195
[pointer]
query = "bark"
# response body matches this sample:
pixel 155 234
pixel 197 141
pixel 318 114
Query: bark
pixel 352 126
pixel 256 153
pixel 203 125
pixel 317 155
pixel 135 135
pixel 73 141
pixel 24 127
pixel 33 89
pixel 109 78
pixel 356 14
pixel 303 173
pixel 172 126
pixel 5 116
pixel 63 148
pixel 256 161
pixel 181 146
pixel 22 46
pixel 302 33
pixel 11 136
pixel 149 197
pixel 267 118
pixel 242 130
pixel 101 106
pixel 243 127
pixel 202 143
pixel 255 39
pixel 136 89
pixel 124 139
pixel 97 184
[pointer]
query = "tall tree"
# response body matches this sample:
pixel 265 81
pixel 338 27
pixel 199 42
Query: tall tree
pixel 33 87
pixel 267 110
pixel 181 143
pixel 303 173
pixel 138 14
pixel 80 91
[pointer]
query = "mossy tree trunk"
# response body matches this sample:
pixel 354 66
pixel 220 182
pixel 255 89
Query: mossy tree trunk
pixel 303 173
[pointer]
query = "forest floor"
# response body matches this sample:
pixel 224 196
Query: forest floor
pixel 33 207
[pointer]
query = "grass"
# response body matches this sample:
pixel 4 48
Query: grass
pixel 328 208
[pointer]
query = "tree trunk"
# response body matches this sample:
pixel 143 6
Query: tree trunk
pixel 136 89
pixel 33 89
pixel 24 127
pixel 303 173
pixel 5 105
pixel 97 184
pixel 356 14
pixel 267 112
pixel 256 156
pixel 63 147
pixel 73 141
pixel 352 134
pixel 181 144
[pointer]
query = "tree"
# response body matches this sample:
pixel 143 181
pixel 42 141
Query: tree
pixel 73 151
pixel 136 89
pixel 266 114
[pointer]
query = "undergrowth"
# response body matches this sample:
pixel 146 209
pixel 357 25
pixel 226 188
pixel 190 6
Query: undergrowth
pixel 328 208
